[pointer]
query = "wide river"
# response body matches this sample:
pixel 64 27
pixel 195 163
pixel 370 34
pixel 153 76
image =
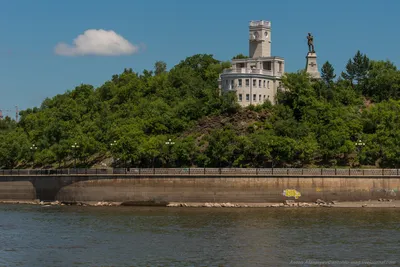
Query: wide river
pixel 39 236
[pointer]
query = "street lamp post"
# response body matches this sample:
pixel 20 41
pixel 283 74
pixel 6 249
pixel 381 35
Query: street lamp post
pixel 271 144
pixel 74 147
pixel 169 143
pixel 33 149
pixel 359 144
pixel 112 144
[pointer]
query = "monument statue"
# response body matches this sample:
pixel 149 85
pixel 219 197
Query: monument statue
pixel 311 63
pixel 310 39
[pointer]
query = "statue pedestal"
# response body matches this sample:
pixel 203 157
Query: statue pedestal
pixel 312 66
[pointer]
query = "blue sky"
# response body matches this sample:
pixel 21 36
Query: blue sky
pixel 172 30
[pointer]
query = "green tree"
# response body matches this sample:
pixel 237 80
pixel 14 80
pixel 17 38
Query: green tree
pixel 381 125
pixel 199 63
pixel 221 147
pixel 299 94
pixel 240 56
pixel 14 148
pixel 357 69
pixel 383 81
pixel 160 67
pixel 229 104
pixel 328 73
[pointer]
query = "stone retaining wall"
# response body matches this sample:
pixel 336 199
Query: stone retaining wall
pixel 200 189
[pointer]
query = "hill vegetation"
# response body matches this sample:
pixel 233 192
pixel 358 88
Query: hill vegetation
pixel 132 116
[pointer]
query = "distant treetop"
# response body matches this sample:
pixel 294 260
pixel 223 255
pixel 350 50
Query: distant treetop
pixel 240 56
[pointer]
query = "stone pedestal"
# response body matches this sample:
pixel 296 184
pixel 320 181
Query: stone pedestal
pixel 312 66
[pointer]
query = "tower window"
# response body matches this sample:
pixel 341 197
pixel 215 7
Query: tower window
pixel 247 82
pixel 240 82
pixel 259 98
pixel 232 83
pixel 254 97
pixel 240 97
pixel 267 65
pixel 264 83
pixel 280 66
pixel 254 83
pixel 247 97
pixel 268 84
pixel 259 83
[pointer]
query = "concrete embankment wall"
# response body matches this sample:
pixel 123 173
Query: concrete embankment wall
pixel 200 189
pixel 18 190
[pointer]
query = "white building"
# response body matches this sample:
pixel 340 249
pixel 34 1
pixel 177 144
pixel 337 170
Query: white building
pixel 257 78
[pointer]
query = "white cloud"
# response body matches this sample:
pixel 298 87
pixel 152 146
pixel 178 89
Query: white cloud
pixel 97 42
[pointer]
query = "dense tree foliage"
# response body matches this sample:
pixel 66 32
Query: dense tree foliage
pixel 128 120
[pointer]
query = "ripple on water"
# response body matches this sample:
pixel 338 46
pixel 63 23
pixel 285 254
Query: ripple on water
pixel 129 236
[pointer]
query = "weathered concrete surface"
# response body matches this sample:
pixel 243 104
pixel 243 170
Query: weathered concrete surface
pixel 198 189
pixel 250 190
pixel 20 190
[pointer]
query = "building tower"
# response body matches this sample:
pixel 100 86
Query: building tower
pixel 256 78
pixel 260 39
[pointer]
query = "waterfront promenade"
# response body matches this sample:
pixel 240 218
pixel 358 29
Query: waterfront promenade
pixel 240 185
pixel 193 172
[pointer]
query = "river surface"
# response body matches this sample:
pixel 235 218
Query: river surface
pixel 139 236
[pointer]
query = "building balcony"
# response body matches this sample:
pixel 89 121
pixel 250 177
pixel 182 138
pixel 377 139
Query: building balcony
pixel 251 71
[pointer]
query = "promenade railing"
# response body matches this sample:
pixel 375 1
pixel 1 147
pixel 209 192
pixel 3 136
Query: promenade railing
pixel 205 172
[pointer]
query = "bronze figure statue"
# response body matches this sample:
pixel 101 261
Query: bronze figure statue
pixel 310 39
